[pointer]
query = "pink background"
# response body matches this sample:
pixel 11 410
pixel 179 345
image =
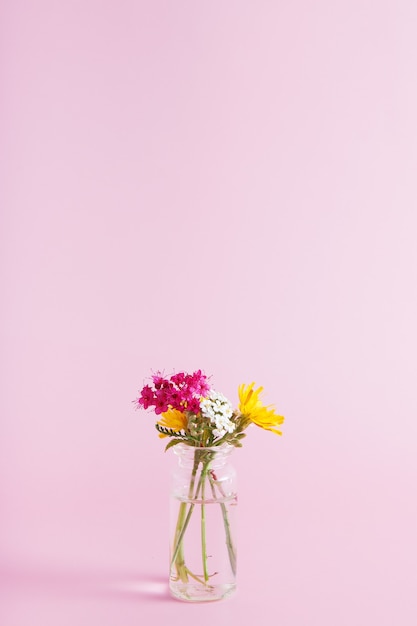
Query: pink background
pixel 226 185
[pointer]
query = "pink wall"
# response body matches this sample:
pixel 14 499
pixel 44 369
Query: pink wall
pixel 226 185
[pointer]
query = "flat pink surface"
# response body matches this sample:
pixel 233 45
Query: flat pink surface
pixel 220 185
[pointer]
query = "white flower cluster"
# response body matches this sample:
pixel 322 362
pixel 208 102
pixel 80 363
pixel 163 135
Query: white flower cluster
pixel 218 410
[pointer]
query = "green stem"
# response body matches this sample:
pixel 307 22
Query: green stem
pixel 184 518
pixel 178 557
pixel 229 542
pixel 181 523
pixel 203 525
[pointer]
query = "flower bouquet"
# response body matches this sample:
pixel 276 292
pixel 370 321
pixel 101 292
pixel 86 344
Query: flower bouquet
pixel 204 428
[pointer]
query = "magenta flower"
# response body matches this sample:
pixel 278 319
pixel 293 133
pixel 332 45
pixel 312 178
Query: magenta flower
pixel 181 391
pixel 159 381
pixel 161 402
pixel 178 379
pixel 193 406
pixel 147 397
pixel 175 398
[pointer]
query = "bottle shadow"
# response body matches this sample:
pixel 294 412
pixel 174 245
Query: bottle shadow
pixel 82 582
pixel 137 586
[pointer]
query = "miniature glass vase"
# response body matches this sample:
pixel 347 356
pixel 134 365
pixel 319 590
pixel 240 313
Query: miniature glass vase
pixel 203 524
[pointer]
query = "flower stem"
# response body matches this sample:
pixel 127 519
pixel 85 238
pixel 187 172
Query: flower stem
pixel 184 517
pixel 182 523
pixel 178 556
pixel 229 542
pixel 203 525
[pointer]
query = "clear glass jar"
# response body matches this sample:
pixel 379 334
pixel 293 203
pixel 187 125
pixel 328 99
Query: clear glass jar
pixel 203 524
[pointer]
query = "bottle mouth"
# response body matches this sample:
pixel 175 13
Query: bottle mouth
pixel 190 456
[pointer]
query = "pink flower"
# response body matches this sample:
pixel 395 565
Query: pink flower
pixel 181 391
pixel 159 381
pixel 204 386
pixel 147 398
pixel 197 383
pixel 161 402
pixel 193 406
pixel 175 398
pixel 178 379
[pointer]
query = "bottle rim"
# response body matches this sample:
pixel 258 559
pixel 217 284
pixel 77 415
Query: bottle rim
pixel 182 448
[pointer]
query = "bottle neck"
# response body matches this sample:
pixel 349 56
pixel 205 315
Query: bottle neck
pixel 189 457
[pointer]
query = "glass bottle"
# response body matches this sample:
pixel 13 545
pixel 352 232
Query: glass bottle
pixel 203 524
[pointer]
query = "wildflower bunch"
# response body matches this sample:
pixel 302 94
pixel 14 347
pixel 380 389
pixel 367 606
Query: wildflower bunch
pixel 192 412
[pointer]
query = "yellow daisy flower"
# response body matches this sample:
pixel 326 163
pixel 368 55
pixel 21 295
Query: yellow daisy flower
pixel 173 419
pixel 252 408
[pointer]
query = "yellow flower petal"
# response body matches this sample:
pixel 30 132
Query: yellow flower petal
pixel 173 419
pixel 251 407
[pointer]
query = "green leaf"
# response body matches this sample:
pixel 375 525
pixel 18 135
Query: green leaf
pixel 171 443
